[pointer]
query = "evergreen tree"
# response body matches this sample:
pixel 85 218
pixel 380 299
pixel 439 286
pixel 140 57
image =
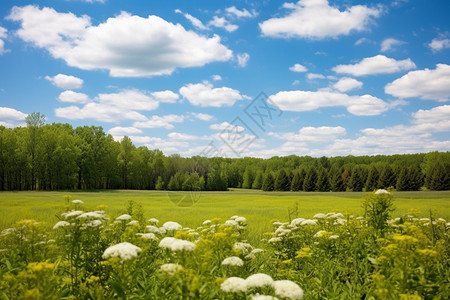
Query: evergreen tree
pixel 356 183
pixel 387 178
pixel 215 181
pixel 248 178
pixel 268 183
pixel 335 179
pixel 297 180
pixel 372 179
pixel 282 182
pixel 323 184
pixel 440 177
pixel 309 184
pixel 257 183
pixel 415 178
pixel 173 184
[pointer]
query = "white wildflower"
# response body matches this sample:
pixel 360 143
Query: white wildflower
pixel 259 280
pixel 275 240
pixel 93 215
pixel 244 247
pixel 381 191
pixel 59 224
pixel 147 236
pixel 77 202
pixel 124 217
pixel 309 222
pixel 182 245
pixel 340 221
pixel 153 221
pixel 234 217
pixel 241 220
pixel 169 226
pixel 234 285
pixel 334 237
pixel 287 289
pixel 171 269
pixel 276 223
pixel 167 242
pixel 153 229
pixel 319 216
pixel 231 223
pixel 206 222
pixel 9 231
pixel 233 261
pixel 319 233
pixel 71 214
pixel 125 251
pixel 133 223
pixel 335 216
pixel 297 221
pixel 93 223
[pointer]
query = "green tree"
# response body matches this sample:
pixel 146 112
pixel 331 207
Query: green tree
pixel 34 123
pixel 335 179
pixel 309 184
pixel 257 183
pixel 323 184
pixel 248 178
pixel 387 178
pixel 372 179
pixel 282 182
pixel 159 183
pixel 297 180
pixel 268 183
pixel 356 182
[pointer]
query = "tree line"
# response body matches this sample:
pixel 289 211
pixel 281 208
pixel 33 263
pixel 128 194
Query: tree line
pixel 59 157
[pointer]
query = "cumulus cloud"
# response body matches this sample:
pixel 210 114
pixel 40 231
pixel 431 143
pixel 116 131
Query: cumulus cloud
pixel 160 121
pixel 3 35
pixel 221 22
pixel 204 94
pixel 126 45
pixel 165 96
pixel 312 134
pixel 202 116
pixel 347 84
pixel 298 68
pixel 65 81
pixel 306 20
pixel 312 76
pixel 365 105
pixel 436 119
pixel 122 131
pixel 10 117
pixel 389 44
pixel 379 64
pixel 225 125
pixel 99 112
pixel 424 84
pixel 439 44
pixel 216 77
pixel 196 22
pixel 129 99
pixel 186 137
pixel 73 97
pixel 244 13
pixel 243 59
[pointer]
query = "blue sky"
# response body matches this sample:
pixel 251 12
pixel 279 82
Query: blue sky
pixel 342 77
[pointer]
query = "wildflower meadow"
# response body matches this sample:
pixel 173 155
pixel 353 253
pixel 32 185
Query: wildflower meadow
pixel 329 255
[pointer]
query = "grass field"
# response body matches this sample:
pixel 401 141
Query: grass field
pixel 258 207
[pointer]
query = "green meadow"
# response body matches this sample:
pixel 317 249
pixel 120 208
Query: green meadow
pixel 257 206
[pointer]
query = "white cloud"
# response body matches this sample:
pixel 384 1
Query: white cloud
pixel 362 41
pixel 129 100
pixel 160 121
pixel 3 35
pixel 347 84
pixel 216 77
pixel 243 59
pixel 365 105
pixel 196 22
pixel 425 84
pixel 126 45
pixel 186 137
pixel 439 44
pixel 295 82
pixel 221 22
pixel 298 68
pixel 10 117
pixel 167 146
pixel 203 94
pixel 225 125
pixel 317 19
pixel 320 134
pixel 436 119
pixel 165 96
pixel 244 13
pixel 122 131
pixel 73 97
pixel 99 112
pixel 65 81
pixel 202 116
pixel 379 64
pixel 389 44
pixel 312 76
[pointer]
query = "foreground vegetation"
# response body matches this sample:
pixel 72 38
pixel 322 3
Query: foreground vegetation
pixel 93 252
pixel 59 157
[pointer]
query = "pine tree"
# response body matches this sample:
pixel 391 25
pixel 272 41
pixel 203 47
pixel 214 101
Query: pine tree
pixel 282 182
pixel 387 178
pixel 372 179
pixel 297 181
pixel 440 177
pixel 322 184
pixel 415 178
pixel 356 183
pixel 403 180
pixel 257 183
pixel 247 178
pixel 309 184
pixel 335 179
pixel 268 182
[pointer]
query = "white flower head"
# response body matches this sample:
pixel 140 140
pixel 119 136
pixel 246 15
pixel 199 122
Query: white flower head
pixel 171 269
pixel 244 247
pixel 124 217
pixel 206 222
pixel 319 216
pixel 231 223
pixel 133 223
pixel 61 224
pixel 72 214
pixel 241 220
pixel 259 280
pixel 147 236
pixel 381 191
pixel 182 245
pixel 275 240
pixel 169 226
pixel 234 217
pixel 93 215
pixel 233 261
pixel 153 221
pixel 334 237
pixel 263 297
pixel 297 221
pixel 287 289
pixel 125 251
pixel 77 201
pixel 93 223
pixel 234 285
pixel 153 229
pixel 167 242
pixel 309 222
